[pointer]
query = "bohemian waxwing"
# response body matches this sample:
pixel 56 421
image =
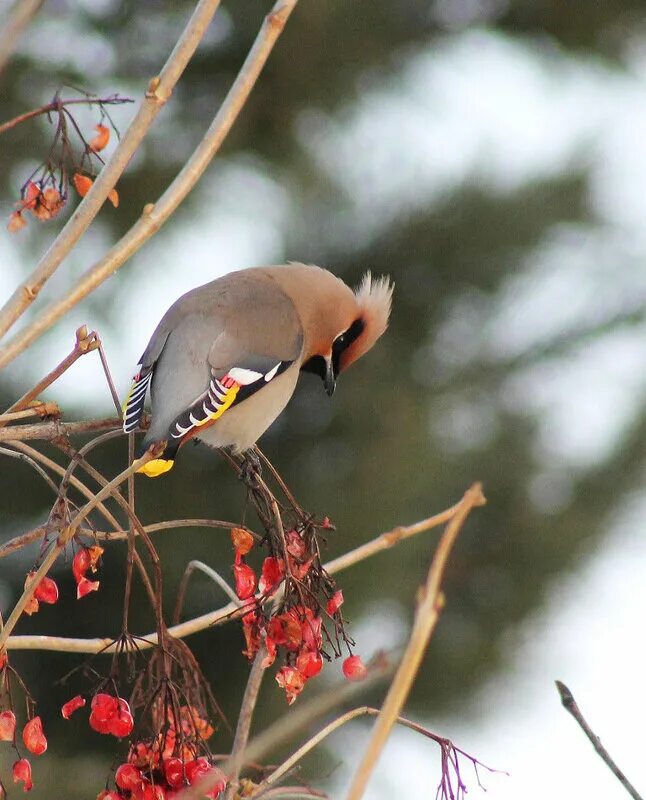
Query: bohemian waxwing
pixel 225 358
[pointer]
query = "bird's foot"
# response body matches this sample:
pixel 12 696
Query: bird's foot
pixel 250 469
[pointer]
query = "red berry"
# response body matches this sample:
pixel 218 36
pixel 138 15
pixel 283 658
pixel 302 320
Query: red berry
pixel 104 707
pixel 33 737
pixel 80 563
pixel 292 681
pixel 335 602
pixel 273 571
pixel 195 769
pixel 128 777
pixel 46 591
pixel 121 724
pixel 84 586
pixel 354 669
pixel 174 772
pixel 245 580
pixel 309 663
pixel 7 726
pixel 99 725
pixel 72 705
pixel 22 772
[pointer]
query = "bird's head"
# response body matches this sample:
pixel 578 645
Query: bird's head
pixel 348 325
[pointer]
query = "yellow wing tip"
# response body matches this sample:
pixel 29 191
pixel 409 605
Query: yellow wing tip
pixel 156 467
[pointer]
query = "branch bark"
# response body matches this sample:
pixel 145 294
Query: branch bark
pixel 570 705
pixel 19 18
pixel 159 91
pixel 155 215
pixel 428 611
pixel 46 431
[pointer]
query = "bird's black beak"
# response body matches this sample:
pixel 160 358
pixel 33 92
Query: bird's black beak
pixel 329 381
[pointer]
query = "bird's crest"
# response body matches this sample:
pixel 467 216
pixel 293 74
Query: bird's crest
pixel 374 299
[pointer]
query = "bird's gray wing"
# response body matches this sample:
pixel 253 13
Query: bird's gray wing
pixel 228 386
pixel 241 322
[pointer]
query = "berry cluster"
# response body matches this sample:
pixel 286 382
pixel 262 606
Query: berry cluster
pixel 46 196
pixel 297 629
pixel 164 781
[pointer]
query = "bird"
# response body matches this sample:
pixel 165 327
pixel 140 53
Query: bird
pixel 225 358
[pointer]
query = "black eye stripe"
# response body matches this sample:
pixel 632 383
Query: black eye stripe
pixel 347 337
pixel 344 341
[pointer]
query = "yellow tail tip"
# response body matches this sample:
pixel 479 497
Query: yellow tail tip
pixel 156 467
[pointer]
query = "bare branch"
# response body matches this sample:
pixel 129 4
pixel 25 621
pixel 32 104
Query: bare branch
pixel 154 215
pixel 46 431
pixel 236 759
pixel 158 92
pixel 85 343
pixel 215 577
pixel 428 610
pixel 59 104
pixel 570 705
pixel 20 16
pixel 119 535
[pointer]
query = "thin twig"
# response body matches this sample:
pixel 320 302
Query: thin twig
pixel 35 410
pixel 215 577
pixel 19 18
pixel 159 91
pixel 236 759
pixel 28 460
pixel 390 539
pixel 260 790
pixel 85 343
pixel 119 535
pixel 570 705
pixel 154 215
pixel 428 610
pixel 58 104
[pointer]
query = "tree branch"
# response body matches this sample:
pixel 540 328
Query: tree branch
pixel 159 91
pixel 21 15
pixel 46 431
pixel 58 104
pixel 154 215
pixel 236 759
pixel 428 610
pixel 570 705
